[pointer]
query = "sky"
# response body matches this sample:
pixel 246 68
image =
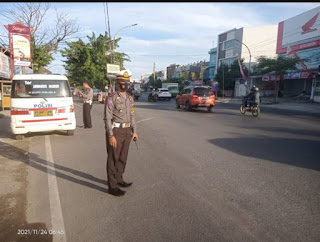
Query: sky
pixel 166 33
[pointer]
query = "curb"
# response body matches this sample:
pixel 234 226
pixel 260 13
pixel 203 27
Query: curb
pixel 276 106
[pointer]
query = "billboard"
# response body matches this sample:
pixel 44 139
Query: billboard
pixel 113 69
pixel 21 50
pixel 4 66
pixel 299 32
pixel 19 37
pixel 311 57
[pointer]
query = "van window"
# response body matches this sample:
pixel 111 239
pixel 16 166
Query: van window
pixel 40 88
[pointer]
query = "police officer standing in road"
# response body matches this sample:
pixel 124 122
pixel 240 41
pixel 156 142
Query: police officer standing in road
pixel 87 104
pixel 120 129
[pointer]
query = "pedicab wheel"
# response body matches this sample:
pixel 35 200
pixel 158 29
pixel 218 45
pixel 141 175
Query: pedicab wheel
pixel 242 109
pixel 255 111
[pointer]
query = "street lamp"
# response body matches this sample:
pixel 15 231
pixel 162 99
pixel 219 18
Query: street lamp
pixel 113 55
pixel 113 52
pixel 249 60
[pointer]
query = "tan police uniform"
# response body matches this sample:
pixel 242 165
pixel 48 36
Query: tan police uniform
pixel 120 123
pixel 87 106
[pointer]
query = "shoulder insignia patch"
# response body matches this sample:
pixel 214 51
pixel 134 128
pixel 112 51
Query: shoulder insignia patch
pixel 109 102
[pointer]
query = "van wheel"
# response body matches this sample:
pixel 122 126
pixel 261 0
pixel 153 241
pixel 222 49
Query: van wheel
pixel 70 132
pixel 19 137
pixel 210 109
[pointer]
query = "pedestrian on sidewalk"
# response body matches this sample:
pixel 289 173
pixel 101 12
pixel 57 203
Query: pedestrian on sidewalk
pixel 87 104
pixel 120 130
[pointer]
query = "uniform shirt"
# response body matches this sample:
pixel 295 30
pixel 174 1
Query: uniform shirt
pixel 88 94
pixel 119 109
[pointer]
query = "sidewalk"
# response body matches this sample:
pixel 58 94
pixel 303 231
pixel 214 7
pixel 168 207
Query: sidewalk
pixel 13 176
pixel 283 103
pixel 5 131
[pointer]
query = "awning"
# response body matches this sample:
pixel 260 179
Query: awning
pixel 297 75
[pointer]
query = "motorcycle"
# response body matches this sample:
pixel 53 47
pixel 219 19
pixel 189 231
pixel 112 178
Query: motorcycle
pixel 153 97
pixel 254 108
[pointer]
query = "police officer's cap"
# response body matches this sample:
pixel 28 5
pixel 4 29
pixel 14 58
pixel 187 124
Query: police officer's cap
pixel 124 75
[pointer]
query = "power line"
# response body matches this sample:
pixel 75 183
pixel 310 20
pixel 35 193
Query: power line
pixel 165 55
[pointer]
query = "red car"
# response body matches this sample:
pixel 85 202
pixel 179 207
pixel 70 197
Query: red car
pixel 196 96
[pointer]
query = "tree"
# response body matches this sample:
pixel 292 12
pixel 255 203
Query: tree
pixel 120 57
pixel 89 61
pixel 44 40
pixel 227 73
pixel 155 83
pixel 278 66
pixel 78 63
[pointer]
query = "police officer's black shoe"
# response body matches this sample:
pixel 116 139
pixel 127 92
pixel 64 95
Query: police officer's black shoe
pixel 116 192
pixel 124 184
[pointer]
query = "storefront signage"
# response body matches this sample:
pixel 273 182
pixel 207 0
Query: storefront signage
pixel 4 66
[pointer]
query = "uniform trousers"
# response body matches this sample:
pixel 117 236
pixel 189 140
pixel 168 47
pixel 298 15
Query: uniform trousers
pixel 117 157
pixel 86 115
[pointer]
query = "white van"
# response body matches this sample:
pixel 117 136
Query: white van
pixel 41 102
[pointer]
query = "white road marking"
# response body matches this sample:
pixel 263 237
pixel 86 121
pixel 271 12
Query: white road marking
pixel 144 120
pixel 55 206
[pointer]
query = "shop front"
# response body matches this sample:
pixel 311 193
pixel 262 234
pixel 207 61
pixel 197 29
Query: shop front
pixel 295 83
pixel 5 95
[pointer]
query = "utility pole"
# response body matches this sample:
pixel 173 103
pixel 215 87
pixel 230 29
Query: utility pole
pixel 111 83
pixel 222 80
pixel 154 72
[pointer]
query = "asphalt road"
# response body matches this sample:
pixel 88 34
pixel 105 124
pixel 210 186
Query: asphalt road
pixel 197 176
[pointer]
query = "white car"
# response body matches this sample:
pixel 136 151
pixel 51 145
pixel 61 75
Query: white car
pixel 163 93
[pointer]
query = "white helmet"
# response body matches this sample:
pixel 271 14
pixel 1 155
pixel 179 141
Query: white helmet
pixel 257 89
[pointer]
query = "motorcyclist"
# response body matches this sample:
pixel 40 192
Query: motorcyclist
pixel 152 93
pixel 257 96
pixel 251 96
